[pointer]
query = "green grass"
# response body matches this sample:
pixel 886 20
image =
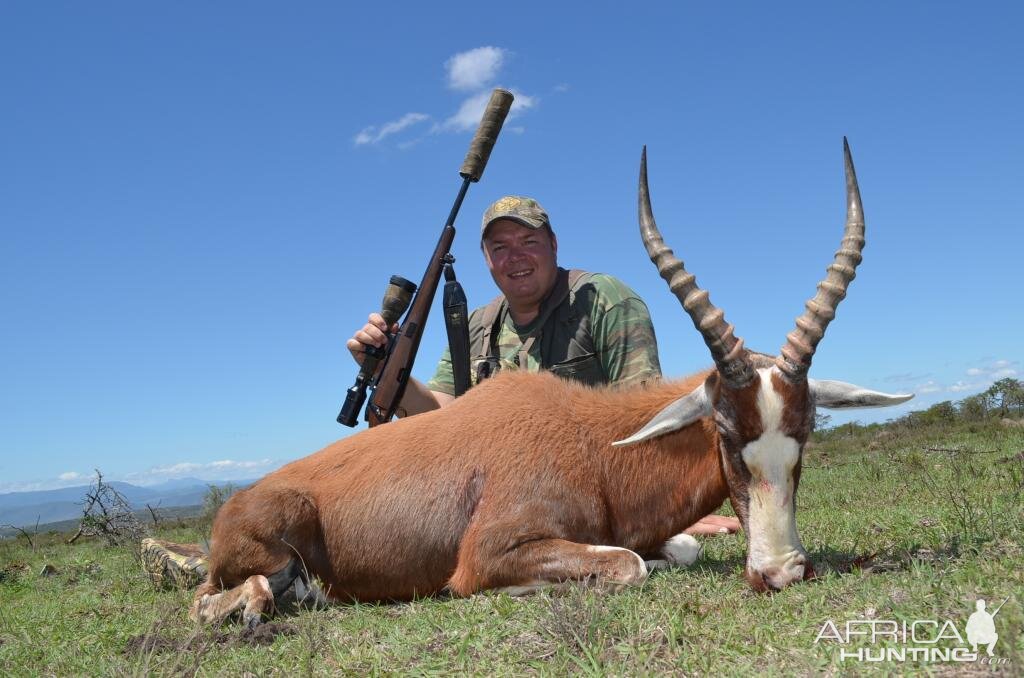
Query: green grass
pixel 896 530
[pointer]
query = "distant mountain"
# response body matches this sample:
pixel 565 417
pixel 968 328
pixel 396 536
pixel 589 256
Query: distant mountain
pixel 63 494
pixel 165 513
pixel 24 509
pixel 176 483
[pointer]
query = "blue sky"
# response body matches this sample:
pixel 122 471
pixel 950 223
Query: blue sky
pixel 200 202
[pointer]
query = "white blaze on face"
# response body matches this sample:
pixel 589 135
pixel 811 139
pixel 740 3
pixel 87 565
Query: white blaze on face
pixel 774 545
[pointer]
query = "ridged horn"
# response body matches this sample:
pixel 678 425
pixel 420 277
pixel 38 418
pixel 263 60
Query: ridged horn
pixel 726 349
pixel 801 343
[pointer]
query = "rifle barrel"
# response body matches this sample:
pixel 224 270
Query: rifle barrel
pixel 394 378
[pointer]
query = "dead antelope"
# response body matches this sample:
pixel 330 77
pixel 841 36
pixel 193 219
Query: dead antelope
pixel 529 481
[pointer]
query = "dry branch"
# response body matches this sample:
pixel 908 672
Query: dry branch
pixel 106 513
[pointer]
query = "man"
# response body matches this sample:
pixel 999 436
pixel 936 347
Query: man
pixel 589 327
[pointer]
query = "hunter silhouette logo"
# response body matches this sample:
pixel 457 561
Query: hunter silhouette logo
pixel 981 627
pixel 925 640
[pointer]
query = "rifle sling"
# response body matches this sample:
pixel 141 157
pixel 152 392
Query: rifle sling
pixel 494 315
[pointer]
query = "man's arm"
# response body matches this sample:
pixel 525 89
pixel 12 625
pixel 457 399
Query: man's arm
pixel 623 333
pixel 418 398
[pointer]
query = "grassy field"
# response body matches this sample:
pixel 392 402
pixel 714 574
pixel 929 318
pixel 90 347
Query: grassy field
pixel 902 525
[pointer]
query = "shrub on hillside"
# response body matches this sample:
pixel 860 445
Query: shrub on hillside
pixel 107 514
pixel 215 497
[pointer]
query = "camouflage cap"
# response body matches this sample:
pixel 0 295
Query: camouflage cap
pixel 517 208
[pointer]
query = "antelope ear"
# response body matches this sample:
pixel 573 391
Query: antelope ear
pixel 838 395
pixel 680 413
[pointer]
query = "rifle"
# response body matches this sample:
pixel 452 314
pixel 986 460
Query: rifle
pixel 400 353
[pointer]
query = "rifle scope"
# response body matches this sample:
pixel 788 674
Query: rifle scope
pixel 397 298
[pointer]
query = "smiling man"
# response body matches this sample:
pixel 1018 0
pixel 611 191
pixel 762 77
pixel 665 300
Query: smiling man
pixel 589 327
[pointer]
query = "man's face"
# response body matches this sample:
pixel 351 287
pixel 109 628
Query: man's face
pixel 522 261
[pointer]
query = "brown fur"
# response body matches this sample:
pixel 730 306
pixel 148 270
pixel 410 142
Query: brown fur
pixel 501 488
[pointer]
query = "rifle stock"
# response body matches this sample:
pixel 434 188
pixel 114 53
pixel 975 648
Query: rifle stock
pixel 394 378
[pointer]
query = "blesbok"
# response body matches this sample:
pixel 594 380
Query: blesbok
pixel 529 480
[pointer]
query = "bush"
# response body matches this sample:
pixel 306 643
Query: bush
pixel 107 514
pixel 215 497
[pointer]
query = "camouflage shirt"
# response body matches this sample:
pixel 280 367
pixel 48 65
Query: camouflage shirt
pixel 601 333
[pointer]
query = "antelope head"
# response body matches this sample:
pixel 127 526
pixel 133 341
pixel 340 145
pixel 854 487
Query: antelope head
pixel 763 406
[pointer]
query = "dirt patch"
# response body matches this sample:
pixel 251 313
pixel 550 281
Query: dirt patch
pixel 264 634
pixel 149 642
pixel 881 563
pixel 847 563
pixel 12 571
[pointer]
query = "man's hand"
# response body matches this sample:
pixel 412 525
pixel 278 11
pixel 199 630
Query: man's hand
pixel 373 333
pixel 714 524
pixel 417 398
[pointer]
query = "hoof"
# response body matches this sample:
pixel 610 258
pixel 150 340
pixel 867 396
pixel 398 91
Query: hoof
pixel 198 611
pixel 681 550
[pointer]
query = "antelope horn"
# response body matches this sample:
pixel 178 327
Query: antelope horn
pixel 796 355
pixel 726 349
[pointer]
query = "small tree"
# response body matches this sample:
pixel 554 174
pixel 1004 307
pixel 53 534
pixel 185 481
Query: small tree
pixel 1006 397
pixel 24 533
pixel 939 413
pixel 215 497
pixel 942 412
pixel 974 408
pixel 106 513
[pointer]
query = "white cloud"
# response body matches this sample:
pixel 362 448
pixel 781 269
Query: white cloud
pixel 230 464
pixel 224 469
pixel 472 109
pixel 475 68
pixel 469 113
pixel 28 486
pixel 215 471
pixel 961 386
pixel 906 377
pixel 978 378
pixel 374 134
pixel 470 71
pixel 995 370
pixel 67 479
pixel 175 469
